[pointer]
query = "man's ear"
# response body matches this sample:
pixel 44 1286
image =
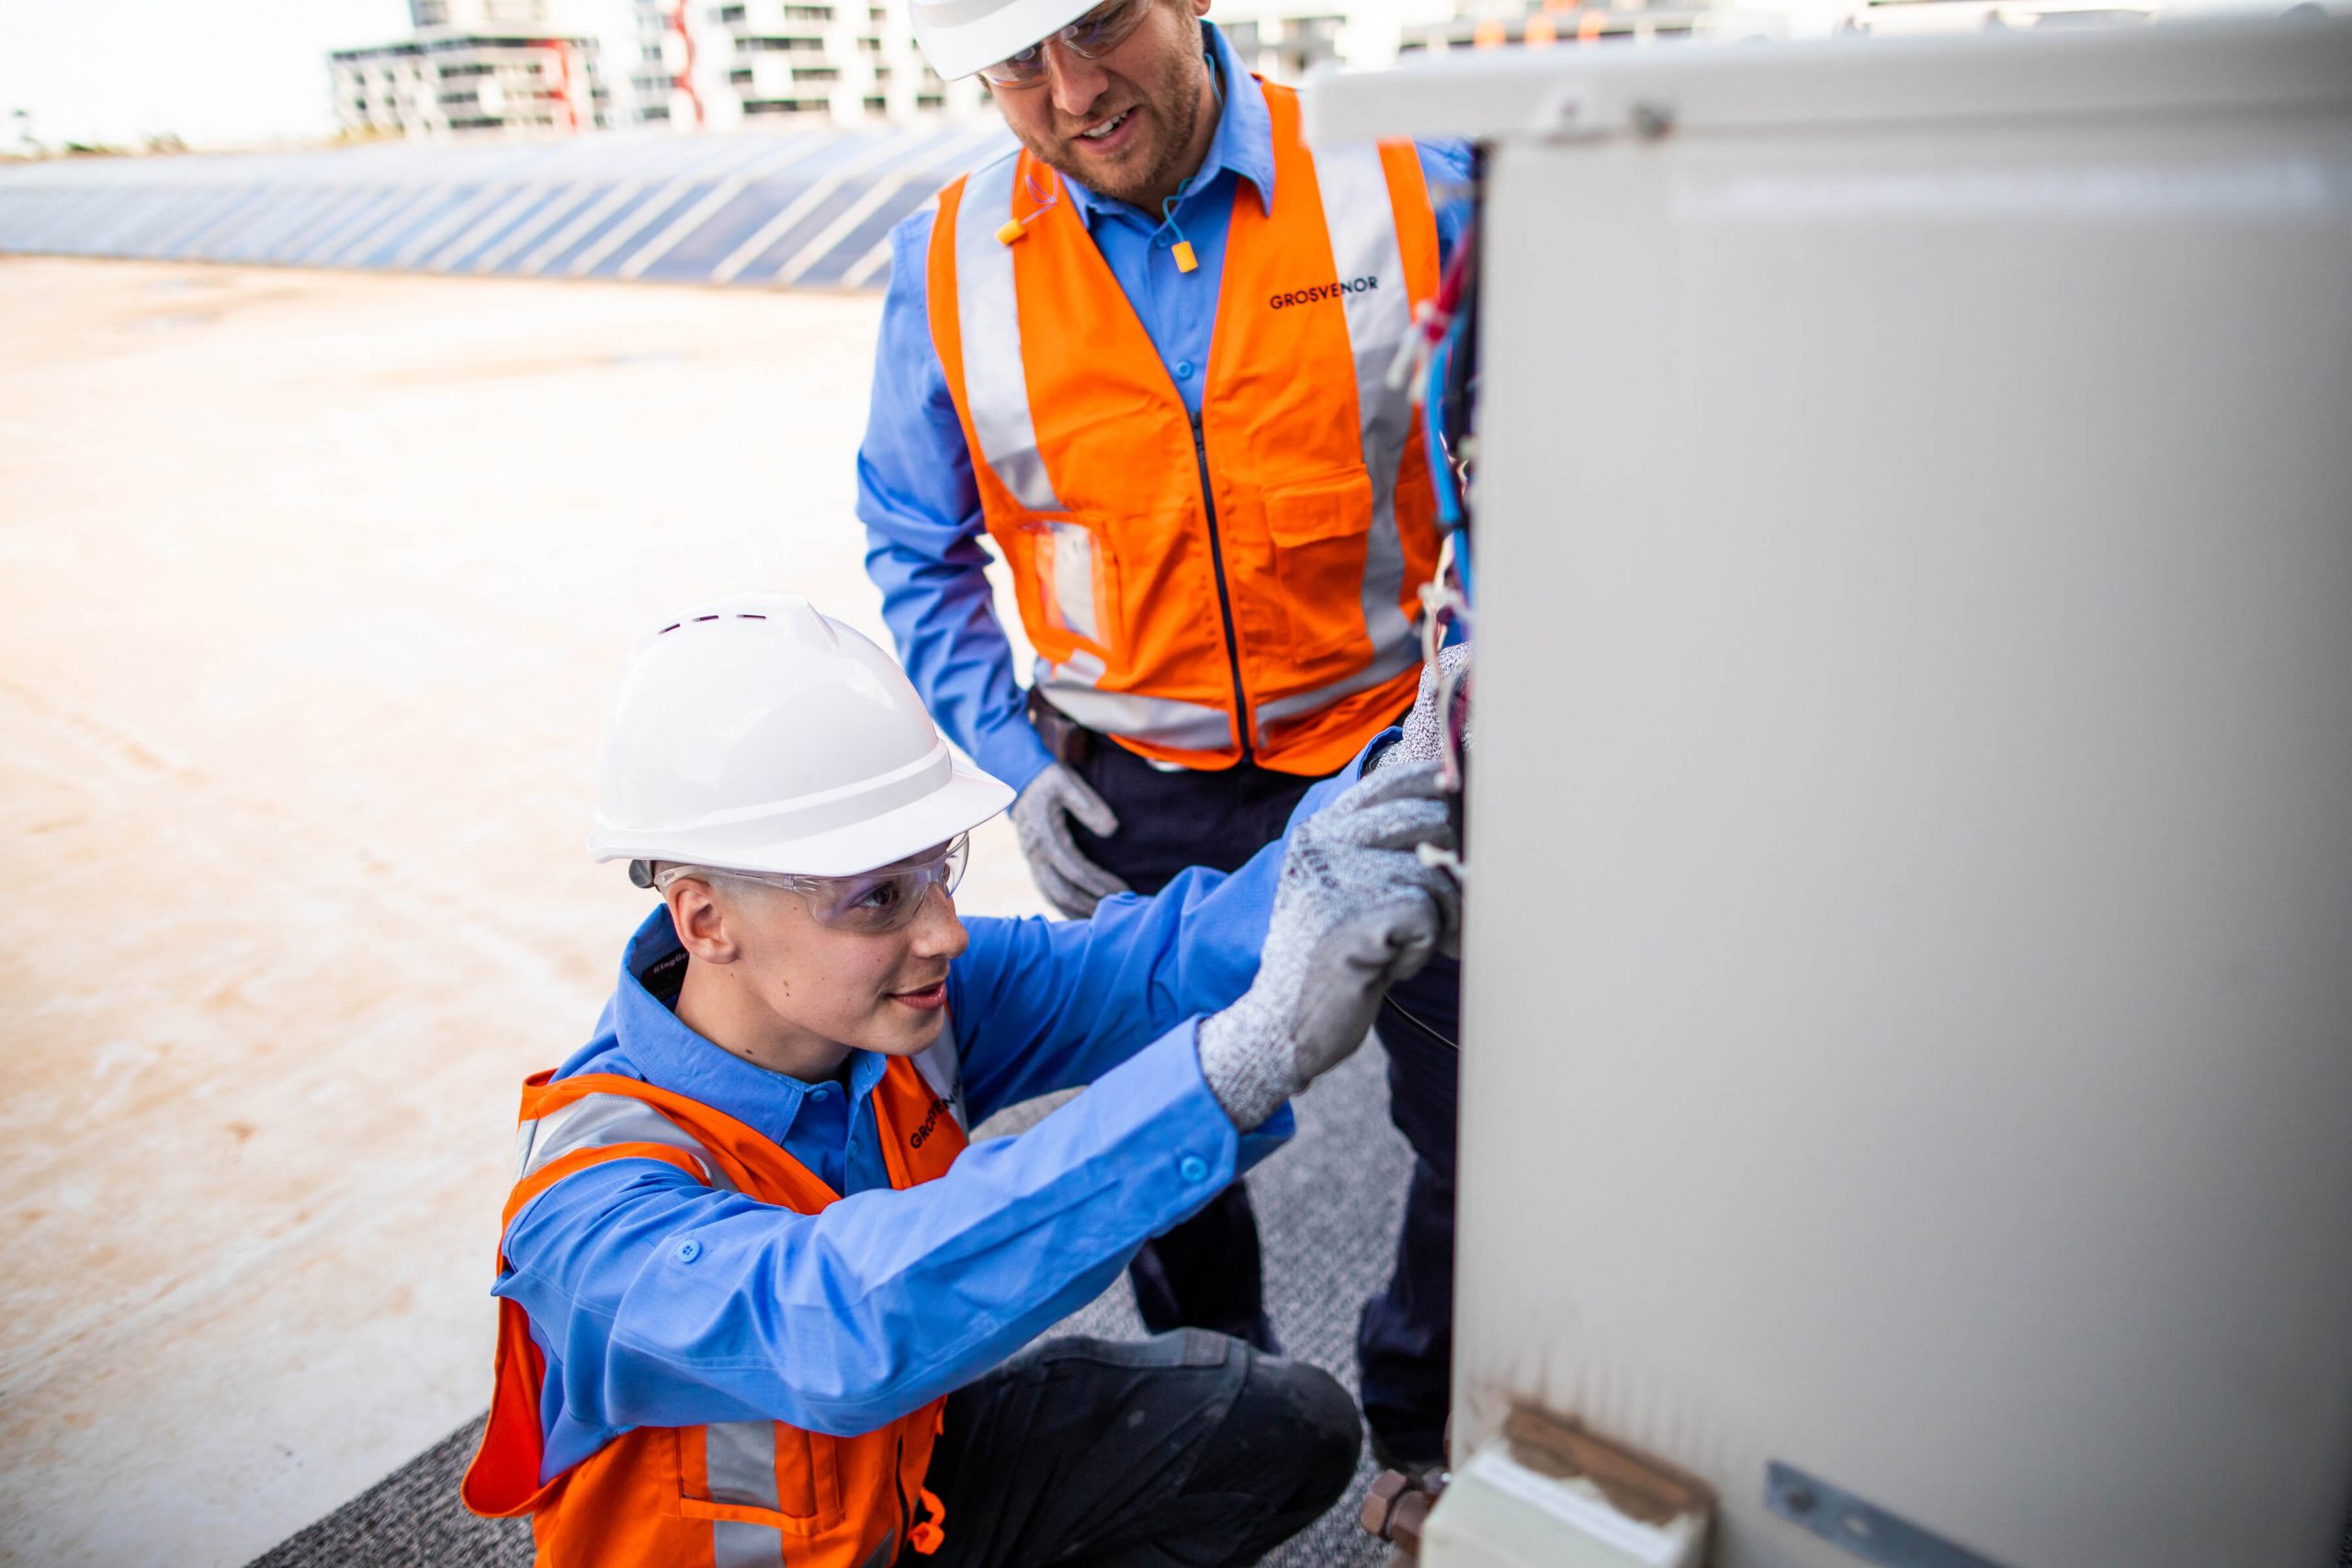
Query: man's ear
pixel 702 922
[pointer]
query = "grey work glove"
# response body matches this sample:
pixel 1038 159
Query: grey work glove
pixel 1041 814
pixel 1424 737
pixel 1355 912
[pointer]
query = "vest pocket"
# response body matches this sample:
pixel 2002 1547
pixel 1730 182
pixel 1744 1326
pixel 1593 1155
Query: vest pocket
pixel 1076 580
pixel 1318 531
pixel 761 1473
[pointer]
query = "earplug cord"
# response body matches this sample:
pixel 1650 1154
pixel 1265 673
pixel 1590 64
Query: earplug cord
pixel 1182 249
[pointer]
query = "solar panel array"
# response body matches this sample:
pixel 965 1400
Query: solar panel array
pixel 809 208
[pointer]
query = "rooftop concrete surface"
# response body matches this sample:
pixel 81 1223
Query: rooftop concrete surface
pixel 312 588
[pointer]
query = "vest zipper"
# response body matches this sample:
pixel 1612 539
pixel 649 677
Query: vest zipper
pixel 1224 595
pixel 899 1479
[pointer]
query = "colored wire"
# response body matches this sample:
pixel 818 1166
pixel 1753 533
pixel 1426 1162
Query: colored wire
pixel 1450 513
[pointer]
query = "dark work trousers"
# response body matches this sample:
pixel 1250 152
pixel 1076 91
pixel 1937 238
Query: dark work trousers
pixel 1191 1448
pixel 1405 1340
pixel 1205 1272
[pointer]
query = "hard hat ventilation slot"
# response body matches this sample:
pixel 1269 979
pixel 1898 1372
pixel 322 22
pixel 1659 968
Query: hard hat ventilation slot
pixel 735 615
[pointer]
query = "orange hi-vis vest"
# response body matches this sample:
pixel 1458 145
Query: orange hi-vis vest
pixel 731 1495
pixel 1241 587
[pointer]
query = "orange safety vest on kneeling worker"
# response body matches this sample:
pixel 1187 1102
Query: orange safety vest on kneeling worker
pixel 729 1495
pixel 1242 586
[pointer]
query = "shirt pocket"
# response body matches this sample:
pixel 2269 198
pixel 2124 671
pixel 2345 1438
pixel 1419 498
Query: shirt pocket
pixel 762 1476
pixel 1318 530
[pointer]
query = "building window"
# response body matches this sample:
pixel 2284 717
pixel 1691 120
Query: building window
pixel 726 14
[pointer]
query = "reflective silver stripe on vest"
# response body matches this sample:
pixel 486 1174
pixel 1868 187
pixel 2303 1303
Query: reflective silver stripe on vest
pixel 738 1460
pixel 600 1121
pixel 734 1544
pixel 1164 721
pixel 987 315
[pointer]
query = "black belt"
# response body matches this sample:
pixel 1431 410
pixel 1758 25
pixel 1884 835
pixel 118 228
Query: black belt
pixel 1069 742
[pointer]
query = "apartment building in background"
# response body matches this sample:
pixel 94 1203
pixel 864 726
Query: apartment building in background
pixel 539 66
pixel 720 64
pixel 514 66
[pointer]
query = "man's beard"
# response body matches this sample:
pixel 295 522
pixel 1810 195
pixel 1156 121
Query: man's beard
pixel 1173 102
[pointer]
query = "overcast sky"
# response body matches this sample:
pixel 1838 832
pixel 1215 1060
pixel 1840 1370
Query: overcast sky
pixel 216 72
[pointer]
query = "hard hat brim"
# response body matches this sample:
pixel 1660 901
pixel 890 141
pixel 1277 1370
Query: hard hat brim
pixel 962 38
pixel 968 799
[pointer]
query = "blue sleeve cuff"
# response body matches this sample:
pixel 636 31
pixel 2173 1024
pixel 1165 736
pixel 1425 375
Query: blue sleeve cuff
pixel 1011 752
pixel 1163 1091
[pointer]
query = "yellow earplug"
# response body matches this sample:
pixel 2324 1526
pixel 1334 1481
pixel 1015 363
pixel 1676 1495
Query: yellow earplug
pixel 1182 251
pixel 1009 232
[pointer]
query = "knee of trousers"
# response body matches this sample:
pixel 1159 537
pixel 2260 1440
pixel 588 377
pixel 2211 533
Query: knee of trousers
pixel 1311 1420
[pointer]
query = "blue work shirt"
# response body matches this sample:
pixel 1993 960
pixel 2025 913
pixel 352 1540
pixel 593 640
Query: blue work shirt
pixel 915 491
pixel 841 1321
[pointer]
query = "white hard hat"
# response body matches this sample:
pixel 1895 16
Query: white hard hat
pixel 959 36
pixel 758 735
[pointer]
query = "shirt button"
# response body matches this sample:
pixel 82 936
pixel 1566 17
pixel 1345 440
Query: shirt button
pixel 688 1251
pixel 1192 1167
pixel 1185 369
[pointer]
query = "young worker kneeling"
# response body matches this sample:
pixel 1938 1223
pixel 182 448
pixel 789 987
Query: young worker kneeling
pixel 757 1296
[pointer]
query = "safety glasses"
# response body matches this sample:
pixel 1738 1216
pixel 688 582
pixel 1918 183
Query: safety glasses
pixel 1090 36
pixel 872 903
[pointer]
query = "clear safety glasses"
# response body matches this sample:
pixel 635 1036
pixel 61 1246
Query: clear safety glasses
pixel 1090 36
pixel 870 903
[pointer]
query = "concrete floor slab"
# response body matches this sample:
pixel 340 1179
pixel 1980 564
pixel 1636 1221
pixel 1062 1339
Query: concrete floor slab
pixel 312 588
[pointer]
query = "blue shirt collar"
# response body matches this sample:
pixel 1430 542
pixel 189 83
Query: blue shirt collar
pixel 669 1055
pixel 1244 141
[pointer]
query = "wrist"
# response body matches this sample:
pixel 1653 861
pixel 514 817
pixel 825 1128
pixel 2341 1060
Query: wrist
pixel 1244 1064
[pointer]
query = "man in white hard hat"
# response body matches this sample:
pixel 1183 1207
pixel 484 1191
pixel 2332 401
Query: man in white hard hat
pixel 759 1301
pixel 1148 354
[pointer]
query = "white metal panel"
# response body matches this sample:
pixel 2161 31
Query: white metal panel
pixel 1909 1015
pixel 1849 80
